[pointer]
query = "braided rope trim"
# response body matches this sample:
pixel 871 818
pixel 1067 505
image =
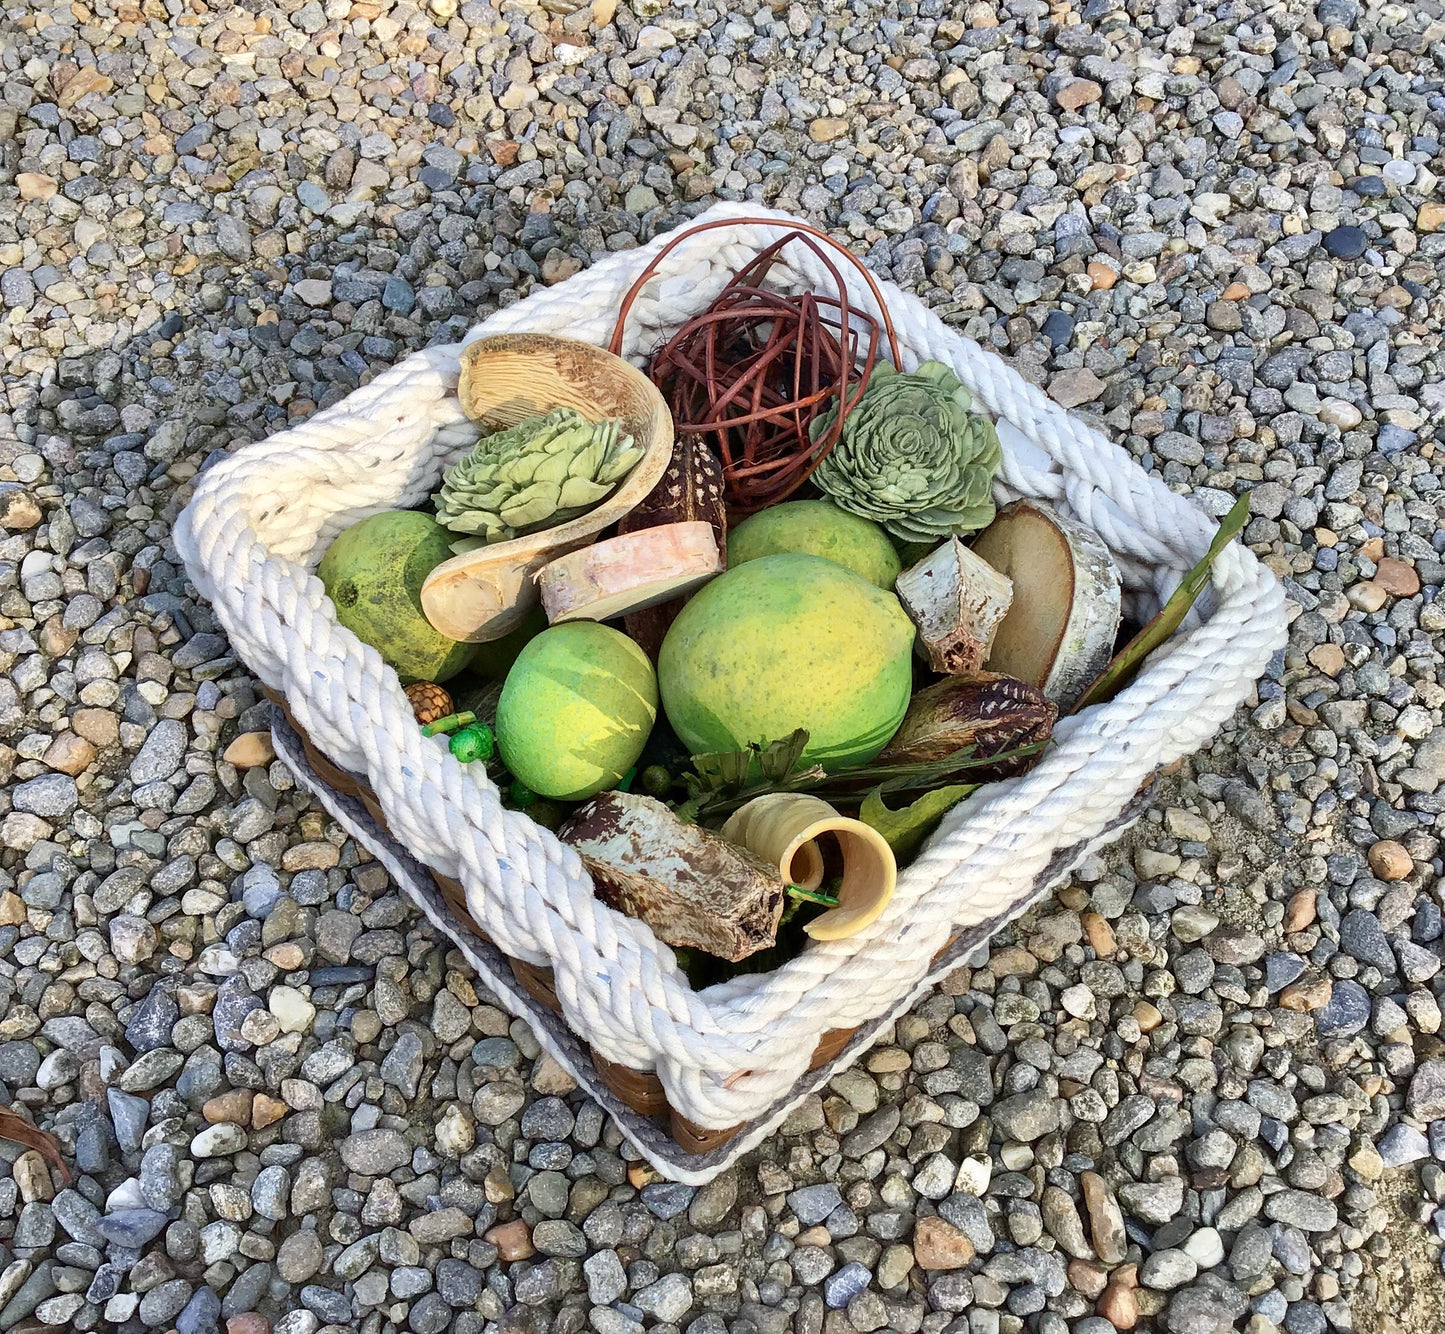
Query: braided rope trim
pixel 260 518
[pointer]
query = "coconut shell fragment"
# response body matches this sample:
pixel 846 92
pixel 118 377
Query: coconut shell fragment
pixel 695 889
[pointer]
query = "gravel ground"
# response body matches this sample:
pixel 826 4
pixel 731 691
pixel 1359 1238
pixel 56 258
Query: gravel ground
pixel 1202 1087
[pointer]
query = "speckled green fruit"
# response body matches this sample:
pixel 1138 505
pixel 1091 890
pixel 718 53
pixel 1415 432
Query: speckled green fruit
pixel 576 710
pixel 783 642
pixel 817 528
pixel 373 572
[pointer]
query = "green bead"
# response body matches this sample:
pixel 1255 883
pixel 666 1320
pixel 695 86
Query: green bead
pixel 474 742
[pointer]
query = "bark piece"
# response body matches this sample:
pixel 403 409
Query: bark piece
pixel 1059 633
pixel 692 887
pixel 691 490
pixel 630 572
pixel 958 601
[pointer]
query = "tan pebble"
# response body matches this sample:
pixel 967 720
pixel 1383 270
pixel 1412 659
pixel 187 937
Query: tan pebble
pixel 889 1061
pixel 12 909
pixel 98 726
pixel 513 1240
pixel 603 12
pixel 266 1111
pixel 827 128
pixel 1104 276
pixel 18 512
pixel 1396 577
pixel 70 754
pixel 1389 860
pixel 1367 596
pixel 939 1245
pixel 287 956
pixel 1306 995
pixel 32 185
pixel 250 749
pixel 1235 292
pixel 497 1186
pixel 640 1175
pixel 1013 961
pixel 1087 1277
pixel 1430 218
pixel 232 1108
pixel 1106 1219
pixel 1100 934
pixel 1373 549
pixel 248 1322
pixel 1073 897
pixel 319 856
pixel 814 1236
pixel 1366 1160
pixel 32 1177
pixel 1147 1016
pixel 1299 912
pixel 551 1079
pixel 1078 93
pixel 1328 658
pixel 1119 1306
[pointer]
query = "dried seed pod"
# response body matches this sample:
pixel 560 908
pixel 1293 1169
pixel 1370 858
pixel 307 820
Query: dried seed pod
pixel 428 701
pixel 990 712
pixel 690 490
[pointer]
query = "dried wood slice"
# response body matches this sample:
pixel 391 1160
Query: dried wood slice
pixel 629 572
pixel 989 712
pixel 691 886
pixel 958 601
pixel 691 490
pixel 1060 629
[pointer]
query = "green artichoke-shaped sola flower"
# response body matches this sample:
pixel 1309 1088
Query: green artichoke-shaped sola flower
pixel 539 473
pixel 912 456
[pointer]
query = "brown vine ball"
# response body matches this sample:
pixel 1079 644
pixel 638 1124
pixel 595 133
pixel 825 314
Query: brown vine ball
pixel 1389 861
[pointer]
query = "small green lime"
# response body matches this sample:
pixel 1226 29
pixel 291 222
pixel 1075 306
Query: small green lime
pixel 474 742
pixel 522 795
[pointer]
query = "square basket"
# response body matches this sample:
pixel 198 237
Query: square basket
pixel 696 1078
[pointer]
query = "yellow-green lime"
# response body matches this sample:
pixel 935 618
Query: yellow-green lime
pixel 373 572
pixel 576 710
pixel 784 642
pixel 817 528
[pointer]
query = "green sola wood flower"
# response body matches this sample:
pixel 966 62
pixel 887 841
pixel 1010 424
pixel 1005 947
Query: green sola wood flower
pixel 539 473
pixel 913 456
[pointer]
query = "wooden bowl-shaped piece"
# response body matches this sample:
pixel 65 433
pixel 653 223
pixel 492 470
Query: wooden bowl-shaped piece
pixel 484 594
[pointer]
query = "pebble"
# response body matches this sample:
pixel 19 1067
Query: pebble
pixel 215 236
pixel 939 1245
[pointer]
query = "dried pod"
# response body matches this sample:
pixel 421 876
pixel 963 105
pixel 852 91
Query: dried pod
pixel 990 712
pixel 428 701
pixel 690 490
pixel 692 887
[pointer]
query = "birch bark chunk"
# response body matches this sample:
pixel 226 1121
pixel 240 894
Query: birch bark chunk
pixel 1059 633
pixel 958 601
pixel 627 573
pixel 693 888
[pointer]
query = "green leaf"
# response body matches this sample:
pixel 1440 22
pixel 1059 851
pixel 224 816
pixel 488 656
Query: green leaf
pixel 905 829
pixel 1125 665
pixel 730 770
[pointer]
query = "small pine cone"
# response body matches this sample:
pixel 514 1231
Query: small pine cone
pixel 429 701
